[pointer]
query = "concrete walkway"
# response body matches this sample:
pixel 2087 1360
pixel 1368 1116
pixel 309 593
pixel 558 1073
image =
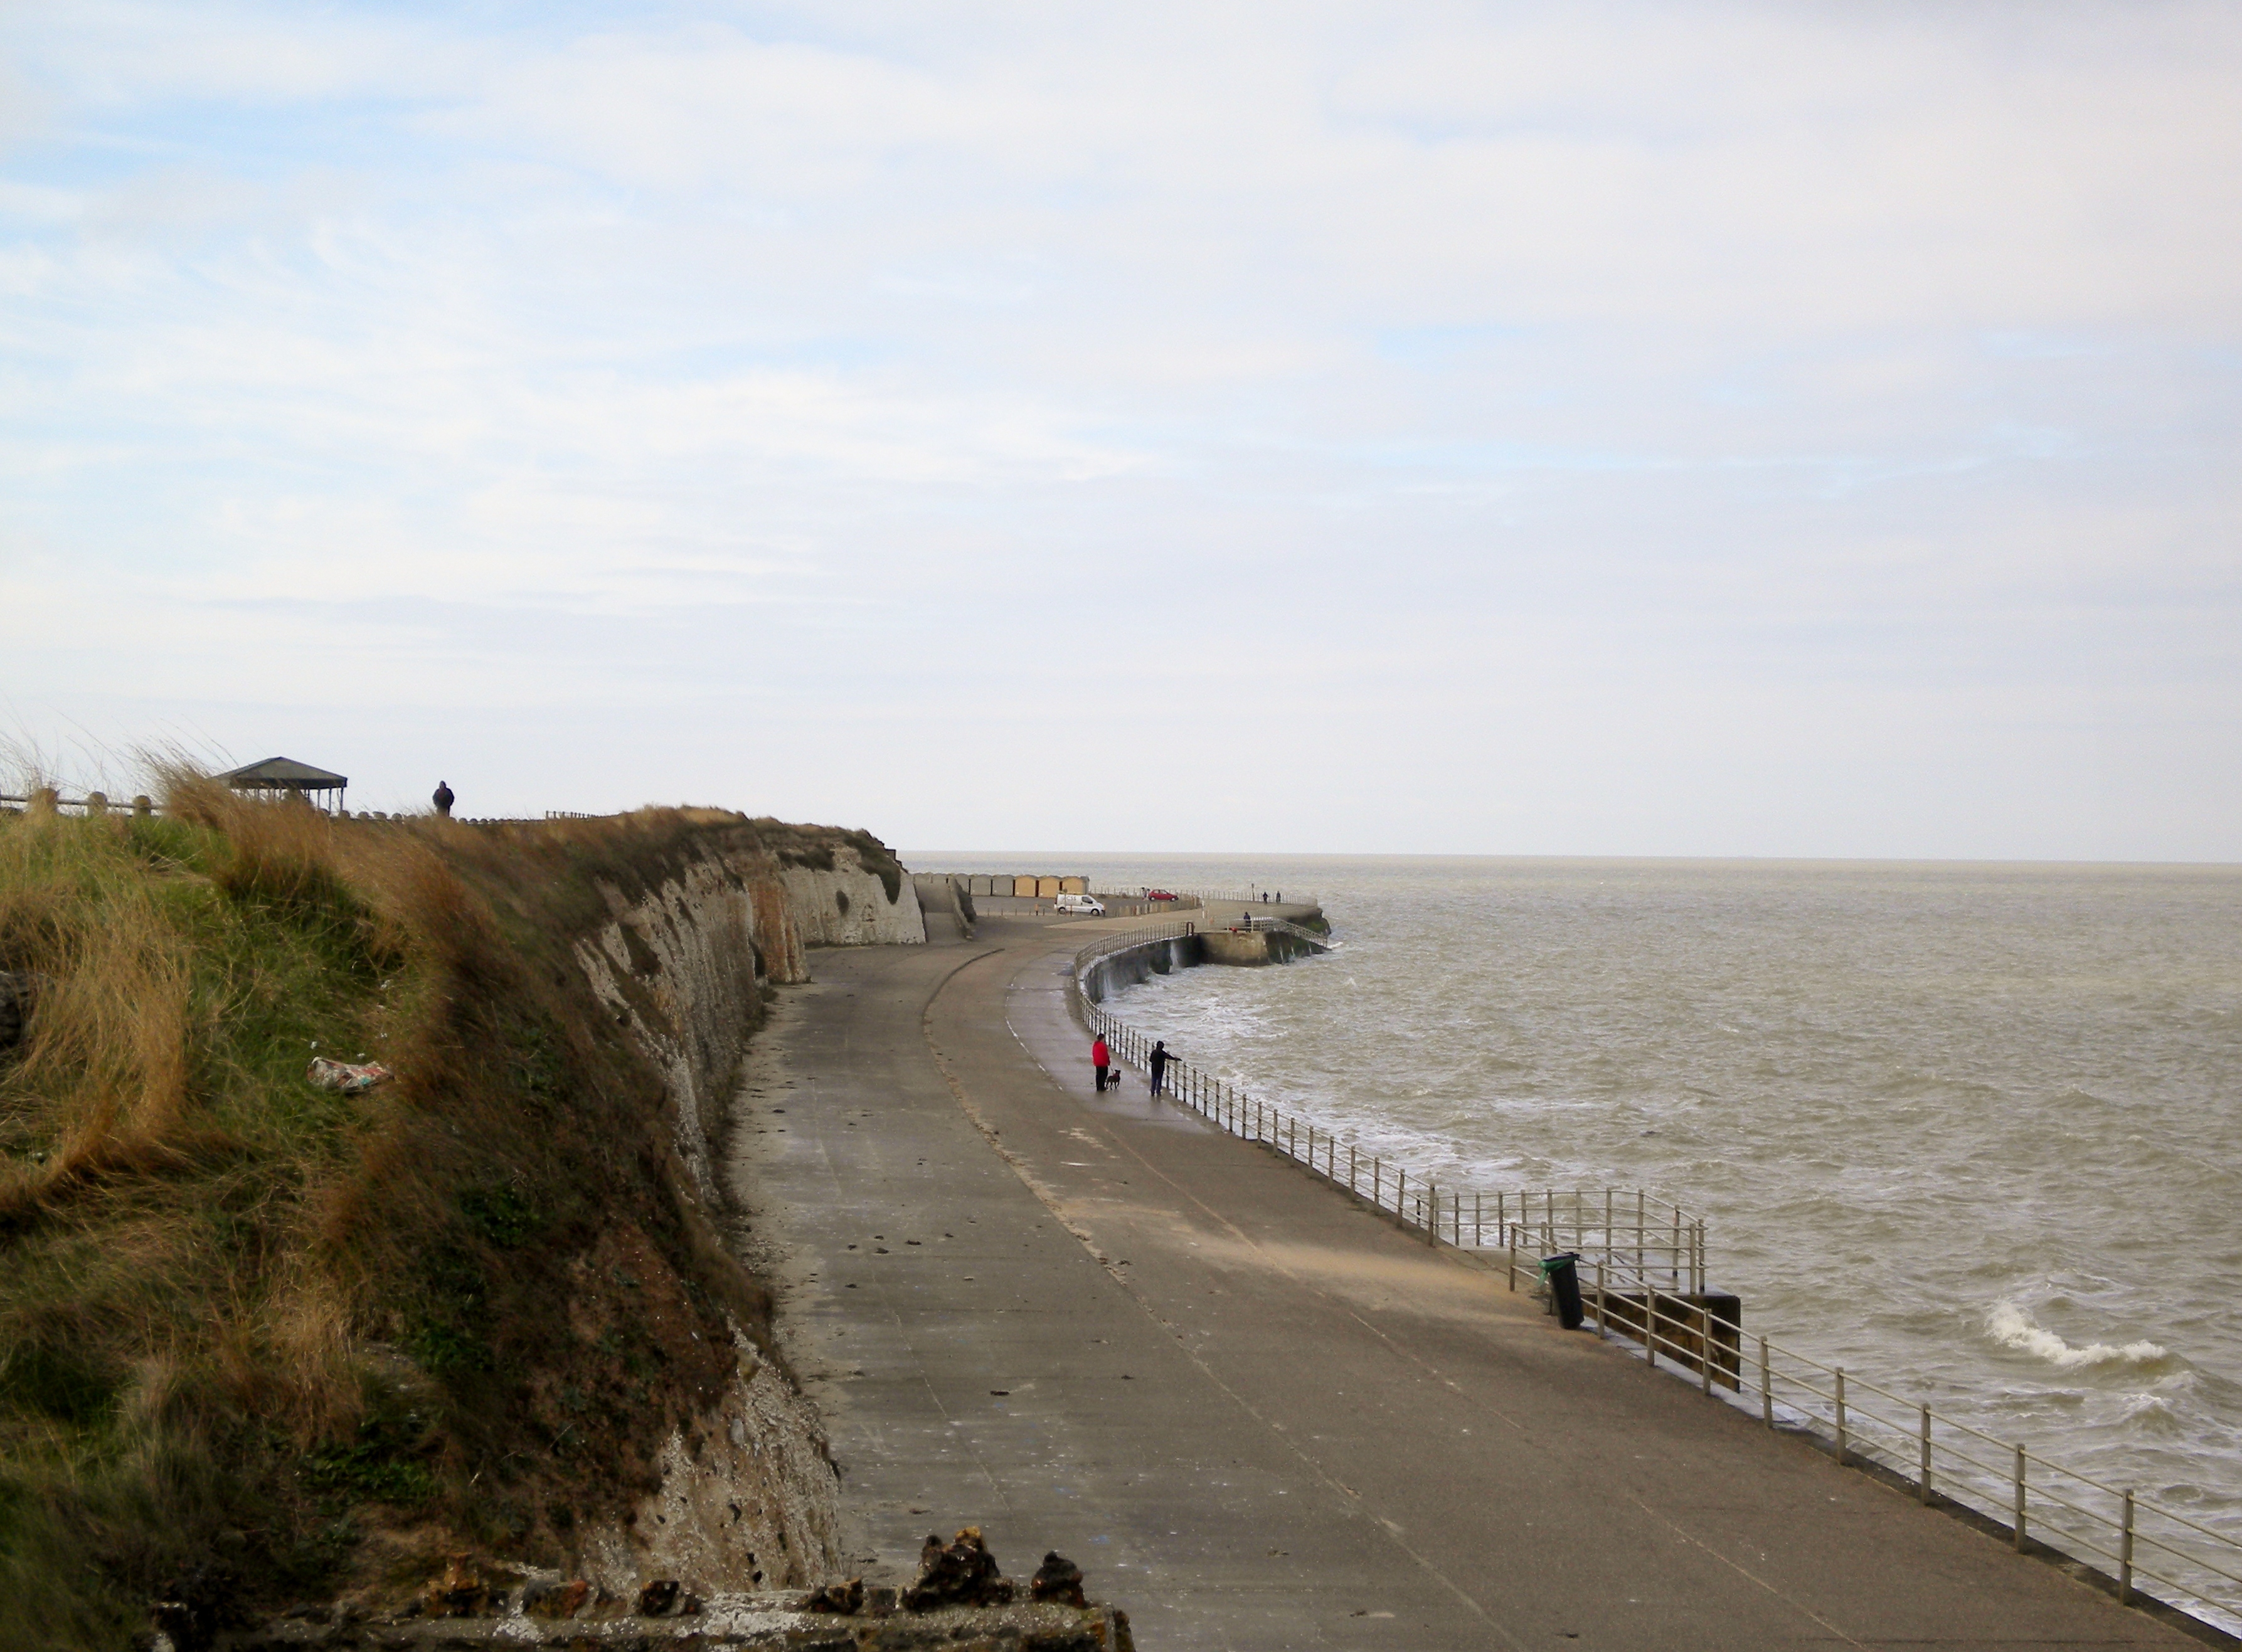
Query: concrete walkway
pixel 1256 1414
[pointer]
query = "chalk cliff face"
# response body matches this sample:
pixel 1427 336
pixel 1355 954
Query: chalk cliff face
pixel 747 1495
pixel 684 965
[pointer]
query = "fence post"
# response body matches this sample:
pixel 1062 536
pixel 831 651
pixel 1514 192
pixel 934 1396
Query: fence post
pixel 1705 1341
pixel 1603 1325
pixel 1650 1323
pixel 2126 1555
pixel 1432 1214
pixel 1841 1415
pixel 1922 1476
pixel 1479 1227
pixel 1766 1386
pixel 1511 1234
pixel 2020 1500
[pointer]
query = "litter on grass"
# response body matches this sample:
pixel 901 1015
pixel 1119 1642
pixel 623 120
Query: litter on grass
pixel 344 1075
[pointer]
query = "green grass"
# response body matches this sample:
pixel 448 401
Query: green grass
pixel 305 1340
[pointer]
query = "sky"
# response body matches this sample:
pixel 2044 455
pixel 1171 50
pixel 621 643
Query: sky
pixel 1663 429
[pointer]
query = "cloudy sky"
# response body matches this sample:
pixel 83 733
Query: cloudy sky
pixel 1599 429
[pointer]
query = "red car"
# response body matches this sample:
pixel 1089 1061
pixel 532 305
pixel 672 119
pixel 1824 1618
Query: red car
pixel 1158 894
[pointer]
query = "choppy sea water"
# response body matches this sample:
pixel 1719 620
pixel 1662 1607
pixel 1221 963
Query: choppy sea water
pixel 1974 1131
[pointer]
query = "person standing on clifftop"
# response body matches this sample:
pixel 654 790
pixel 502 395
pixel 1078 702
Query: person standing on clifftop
pixel 1101 1058
pixel 1158 1062
pixel 443 799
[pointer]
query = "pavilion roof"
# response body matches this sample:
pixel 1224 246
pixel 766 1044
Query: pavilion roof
pixel 275 772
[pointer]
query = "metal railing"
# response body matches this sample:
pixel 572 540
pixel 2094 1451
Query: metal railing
pixel 1652 1237
pixel 1641 1266
pixel 1249 896
pixel 1297 931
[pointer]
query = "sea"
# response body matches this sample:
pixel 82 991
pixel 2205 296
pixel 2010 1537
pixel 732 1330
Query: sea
pixel 1972 1130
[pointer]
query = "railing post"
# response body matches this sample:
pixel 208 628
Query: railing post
pixel 1705 1342
pixel 1478 1225
pixel 1352 1155
pixel 1432 1214
pixel 1922 1472
pixel 1766 1386
pixel 1650 1323
pixel 1402 1194
pixel 2020 1500
pixel 1843 1452
pixel 1511 1234
pixel 1603 1325
pixel 2126 1555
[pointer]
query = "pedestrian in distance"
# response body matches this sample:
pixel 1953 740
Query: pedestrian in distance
pixel 443 799
pixel 1158 1061
pixel 1101 1058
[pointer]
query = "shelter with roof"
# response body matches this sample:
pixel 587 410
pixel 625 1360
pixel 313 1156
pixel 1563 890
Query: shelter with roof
pixel 281 775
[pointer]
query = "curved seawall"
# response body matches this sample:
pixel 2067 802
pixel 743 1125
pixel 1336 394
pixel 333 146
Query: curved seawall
pixel 1137 956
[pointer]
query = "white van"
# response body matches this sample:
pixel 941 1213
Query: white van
pixel 1089 905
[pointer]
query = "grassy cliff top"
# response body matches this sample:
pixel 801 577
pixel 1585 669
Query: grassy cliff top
pixel 257 1331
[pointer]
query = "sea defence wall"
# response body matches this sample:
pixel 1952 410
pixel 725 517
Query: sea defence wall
pixel 1185 942
pixel 747 1489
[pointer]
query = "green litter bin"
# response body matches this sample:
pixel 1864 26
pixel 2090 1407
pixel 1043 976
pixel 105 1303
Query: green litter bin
pixel 1562 1275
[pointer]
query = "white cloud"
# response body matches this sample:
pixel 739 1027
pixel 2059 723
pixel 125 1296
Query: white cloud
pixel 1655 385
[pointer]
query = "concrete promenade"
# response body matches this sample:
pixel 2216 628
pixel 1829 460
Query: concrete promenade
pixel 1256 1414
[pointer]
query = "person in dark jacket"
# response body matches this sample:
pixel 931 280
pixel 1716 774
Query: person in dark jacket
pixel 443 799
pixel 1158 1061
pixel 1101 1058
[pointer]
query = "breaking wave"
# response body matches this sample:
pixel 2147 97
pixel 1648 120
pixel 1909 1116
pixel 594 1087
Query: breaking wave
pixel 2012 1327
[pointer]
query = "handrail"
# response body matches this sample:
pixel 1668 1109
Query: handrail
pixel 1299 931
pixel 1243 896
pixel 1633 1291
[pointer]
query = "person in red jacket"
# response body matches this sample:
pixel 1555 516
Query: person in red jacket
pixel 1101 1058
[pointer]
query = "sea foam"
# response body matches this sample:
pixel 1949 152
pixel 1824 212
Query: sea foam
pixel 2012 1327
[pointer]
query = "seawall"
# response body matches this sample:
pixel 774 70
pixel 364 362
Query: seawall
pixel 1214 937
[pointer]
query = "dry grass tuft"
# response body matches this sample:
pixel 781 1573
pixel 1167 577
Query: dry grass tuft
pixel 255 1327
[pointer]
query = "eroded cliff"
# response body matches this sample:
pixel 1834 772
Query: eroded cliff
pixel 747 1493
pixel 262 1341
